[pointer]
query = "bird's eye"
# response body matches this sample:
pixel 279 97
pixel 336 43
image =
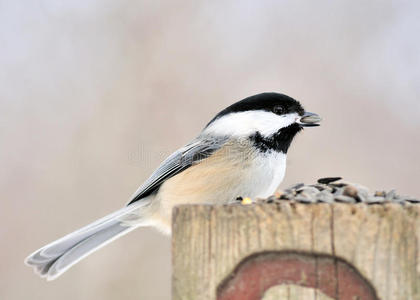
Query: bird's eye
pixel 278 109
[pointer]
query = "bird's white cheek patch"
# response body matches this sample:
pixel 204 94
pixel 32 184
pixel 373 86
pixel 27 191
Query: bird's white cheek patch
pixel 249 122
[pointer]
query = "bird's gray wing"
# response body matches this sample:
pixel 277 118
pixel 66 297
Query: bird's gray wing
pixel 178 161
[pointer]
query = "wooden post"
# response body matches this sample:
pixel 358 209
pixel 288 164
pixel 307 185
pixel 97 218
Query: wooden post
pixel 296 251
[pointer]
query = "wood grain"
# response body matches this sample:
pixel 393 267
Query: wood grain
pixel 380 242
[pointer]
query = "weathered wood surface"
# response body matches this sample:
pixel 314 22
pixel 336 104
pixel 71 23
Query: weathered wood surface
pixel 296 251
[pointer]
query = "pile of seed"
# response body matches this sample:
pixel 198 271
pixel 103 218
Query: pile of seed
pixel 331 190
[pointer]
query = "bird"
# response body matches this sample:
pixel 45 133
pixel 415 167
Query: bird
pixel 241 152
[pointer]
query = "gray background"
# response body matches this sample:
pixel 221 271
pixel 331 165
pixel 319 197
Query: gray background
pixel 94 94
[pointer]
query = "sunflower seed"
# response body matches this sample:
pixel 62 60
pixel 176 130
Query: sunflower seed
pixel 350 191
pixel 412 200
pixel 305 198
pixel 327 180
pixel 380 193
pixel 325 196
pixel 375 200
pixel 309 190
pixel 345 199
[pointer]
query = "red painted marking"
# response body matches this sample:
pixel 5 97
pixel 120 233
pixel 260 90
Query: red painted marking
pixel 257 273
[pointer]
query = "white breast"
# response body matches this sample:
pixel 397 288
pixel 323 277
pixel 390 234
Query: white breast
pixel 266 174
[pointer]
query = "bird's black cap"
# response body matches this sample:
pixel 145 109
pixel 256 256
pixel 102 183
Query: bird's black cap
pixel 275 102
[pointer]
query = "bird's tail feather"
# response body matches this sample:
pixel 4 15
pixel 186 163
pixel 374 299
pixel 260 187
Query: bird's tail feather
pixel 57 257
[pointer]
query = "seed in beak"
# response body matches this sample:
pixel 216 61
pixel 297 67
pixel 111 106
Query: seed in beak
pixel 309 119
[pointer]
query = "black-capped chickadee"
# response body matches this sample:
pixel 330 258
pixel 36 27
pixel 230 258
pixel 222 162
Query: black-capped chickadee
pixel 240 152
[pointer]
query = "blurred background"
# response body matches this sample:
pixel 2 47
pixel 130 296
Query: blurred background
pixel 94 94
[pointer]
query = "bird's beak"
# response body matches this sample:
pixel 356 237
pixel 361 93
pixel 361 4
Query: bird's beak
pixel 309 119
